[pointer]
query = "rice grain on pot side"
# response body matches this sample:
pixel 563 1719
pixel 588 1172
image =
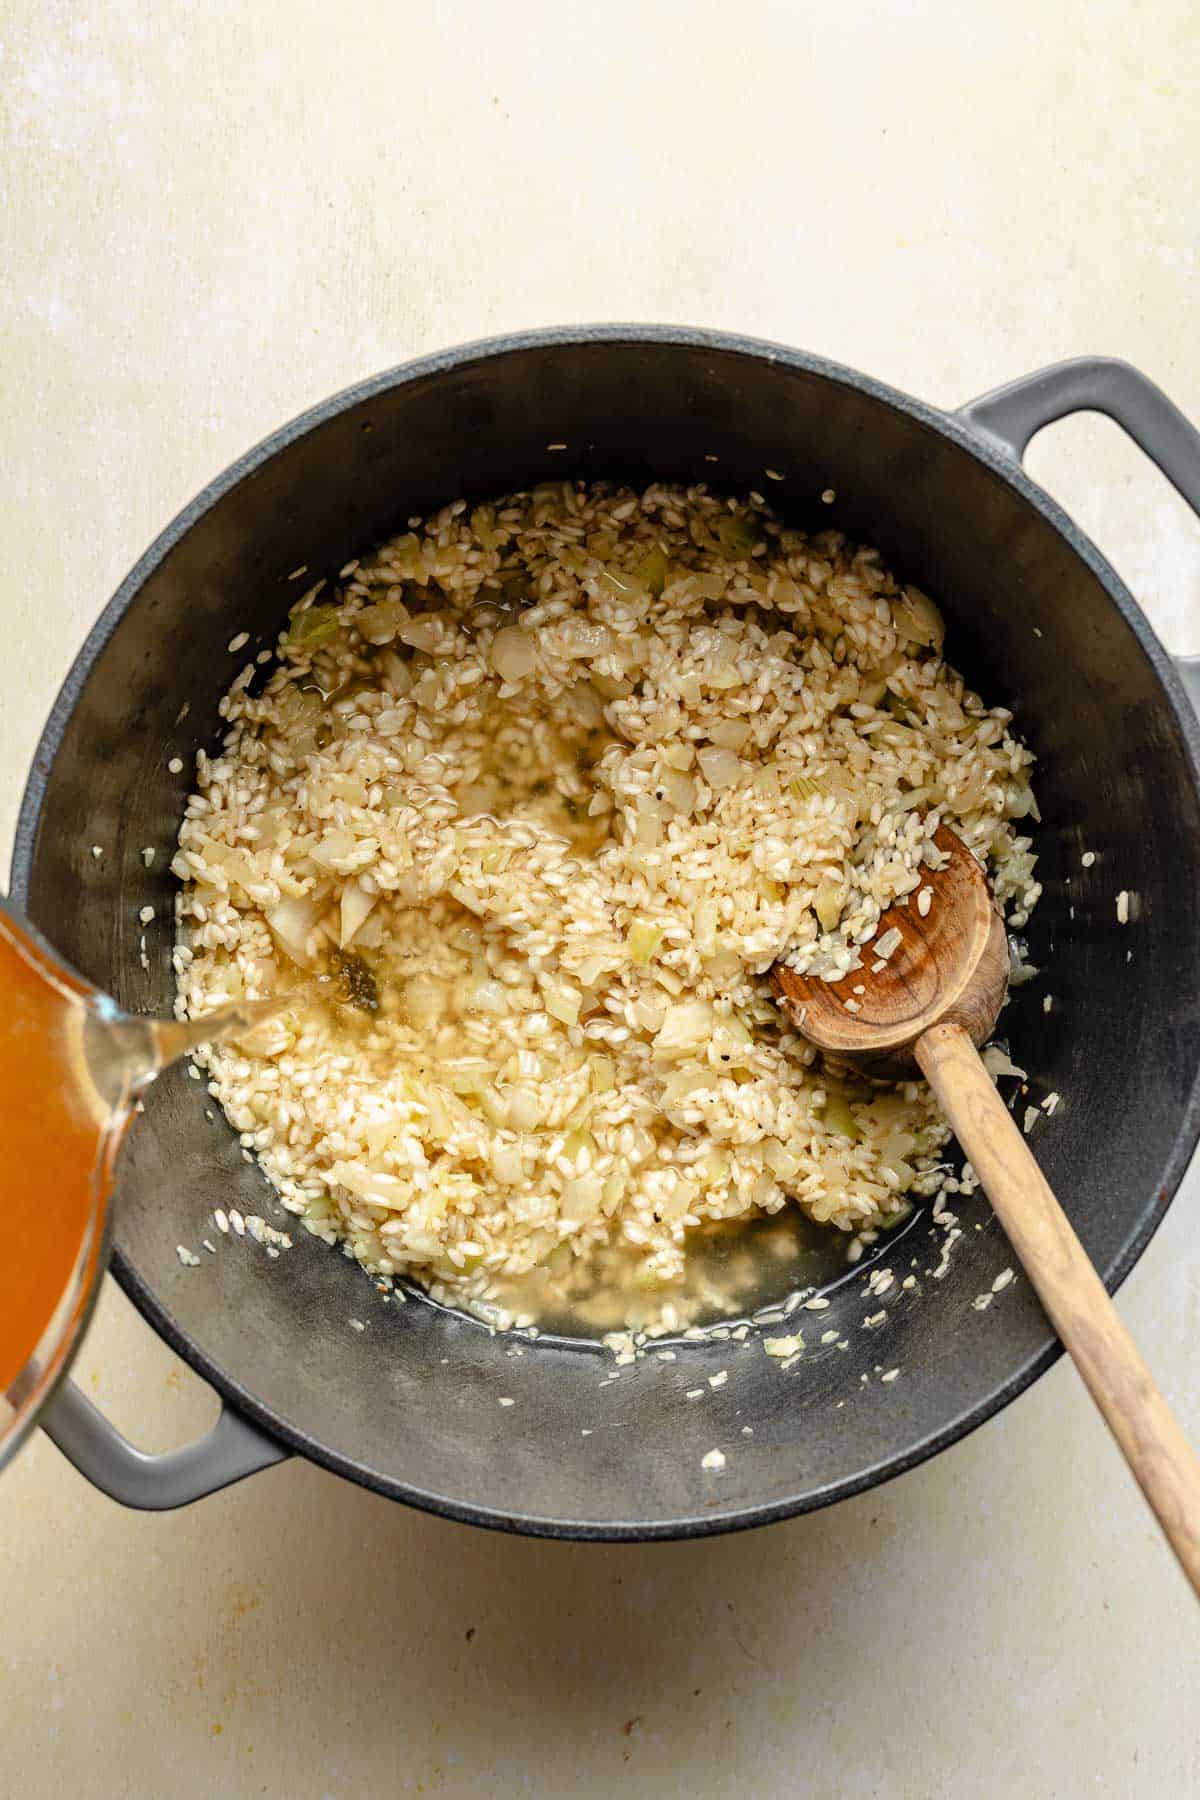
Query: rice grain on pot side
pixel 530 802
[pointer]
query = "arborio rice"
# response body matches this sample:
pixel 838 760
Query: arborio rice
pixel 529 804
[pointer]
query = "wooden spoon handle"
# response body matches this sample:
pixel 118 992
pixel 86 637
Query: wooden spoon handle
pixel 1159 1456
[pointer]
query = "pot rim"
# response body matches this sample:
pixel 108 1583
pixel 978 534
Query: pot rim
pixel 965 438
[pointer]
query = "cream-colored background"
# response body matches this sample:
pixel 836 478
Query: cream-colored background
pixel 214 214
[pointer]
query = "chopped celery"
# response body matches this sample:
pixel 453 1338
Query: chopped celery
pixel 643 941
pixel 309 630
pixel 838 1116
pixel 739 533
pixel 652 571
pixel 805 788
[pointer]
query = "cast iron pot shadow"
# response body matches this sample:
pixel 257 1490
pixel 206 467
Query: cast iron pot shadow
pixel 409 1406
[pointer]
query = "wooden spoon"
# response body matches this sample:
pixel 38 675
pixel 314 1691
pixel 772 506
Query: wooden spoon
pixel 931 1002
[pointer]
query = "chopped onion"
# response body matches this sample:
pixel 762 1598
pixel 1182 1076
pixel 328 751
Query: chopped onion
pixel 524 1113
pixel 581 1199
pixel 404 555
pixel 997 1062
pixel 386 1133
pixel 424 632
pixel 722 967
pixel 648 1011
pixel 291 924
pixel 680 790
pixel 647 834
pixel 614 1190
pixel 380 623
pixel 622 584
pixel 372 1184
pixel 719 767
pixel 732 1042
pixel 683 1083
pixel 487 996
pixel 732 733
pixel 891 1114
pixel 337 848
pixel 513 653
pixel 917 620
pixel 468 1077
pixel 356 905
pixel 494 1107
pixel 590 970
pixel 440 1123
pixel 1019 802
pixel 563 1004
pixel 781 1161
pixel 369 936
pixel 507 1164
pixel 684 1028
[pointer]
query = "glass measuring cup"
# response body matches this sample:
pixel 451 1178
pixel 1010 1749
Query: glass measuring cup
pixel 71 1067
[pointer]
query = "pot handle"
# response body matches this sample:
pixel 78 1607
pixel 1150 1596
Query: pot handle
pixel 1009 416
pixel 232 1450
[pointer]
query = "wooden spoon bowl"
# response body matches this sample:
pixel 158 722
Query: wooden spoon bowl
pixel 950 966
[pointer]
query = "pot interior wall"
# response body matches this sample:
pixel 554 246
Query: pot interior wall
pixel 410 1404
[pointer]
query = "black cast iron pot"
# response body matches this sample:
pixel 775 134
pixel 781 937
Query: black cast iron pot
pixel 410 1406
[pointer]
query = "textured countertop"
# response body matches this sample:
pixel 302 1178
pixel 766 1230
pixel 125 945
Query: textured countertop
pixel 217 214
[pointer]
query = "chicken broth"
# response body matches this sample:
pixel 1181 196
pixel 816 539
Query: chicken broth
pixel 734 1269
pixel 58 1150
